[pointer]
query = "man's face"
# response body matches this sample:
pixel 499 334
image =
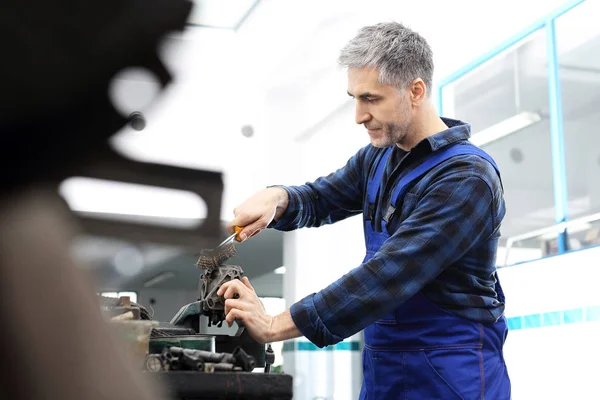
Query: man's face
pixel 383 109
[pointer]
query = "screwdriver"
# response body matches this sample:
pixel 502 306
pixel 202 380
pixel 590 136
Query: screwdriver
pixel 235 236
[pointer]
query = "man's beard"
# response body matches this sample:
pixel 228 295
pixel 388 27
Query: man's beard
pixel 396 132
pixel 393 133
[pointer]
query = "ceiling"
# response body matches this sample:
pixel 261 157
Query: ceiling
pixel 271 65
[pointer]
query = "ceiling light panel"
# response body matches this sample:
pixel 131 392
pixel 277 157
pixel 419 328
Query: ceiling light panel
pixel 224 14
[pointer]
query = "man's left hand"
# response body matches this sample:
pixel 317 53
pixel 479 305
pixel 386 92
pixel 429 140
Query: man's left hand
pixel 247 308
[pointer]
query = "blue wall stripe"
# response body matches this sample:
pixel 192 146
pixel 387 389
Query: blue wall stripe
pixel 530 321
pixel 553 318
pixel 556 133
pixel 308 346
pixel 573 316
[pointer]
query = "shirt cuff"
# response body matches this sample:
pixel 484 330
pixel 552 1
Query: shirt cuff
pixel 307 320
pixel 291 217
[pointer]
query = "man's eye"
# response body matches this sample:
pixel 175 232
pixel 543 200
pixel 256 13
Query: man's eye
pixel 371 100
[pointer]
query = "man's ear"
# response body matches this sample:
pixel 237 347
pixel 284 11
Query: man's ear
pixel 418 91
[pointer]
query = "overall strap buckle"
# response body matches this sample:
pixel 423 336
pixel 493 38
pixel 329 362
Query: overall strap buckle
pixel 389 213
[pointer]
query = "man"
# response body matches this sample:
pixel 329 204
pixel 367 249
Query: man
pixel 426 293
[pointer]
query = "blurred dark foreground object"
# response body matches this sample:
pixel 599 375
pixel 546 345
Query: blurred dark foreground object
pixel 54 341
pixel 55 114
pixel 58 61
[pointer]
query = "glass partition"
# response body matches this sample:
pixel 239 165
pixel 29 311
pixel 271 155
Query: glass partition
pixel 532 103
pixel 506 102
pixel 578 48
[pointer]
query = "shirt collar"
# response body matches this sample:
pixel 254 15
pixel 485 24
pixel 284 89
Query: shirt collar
pixel 457 131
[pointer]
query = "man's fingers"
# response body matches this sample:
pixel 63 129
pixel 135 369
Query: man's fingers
pixel 223 288
pixel 255 227
pixel 228 289
pixel 257 232
pixel 241 219
pixel 232 303
pixel 238 314
pixel 233 287
pixel 246 282
pixel 237 221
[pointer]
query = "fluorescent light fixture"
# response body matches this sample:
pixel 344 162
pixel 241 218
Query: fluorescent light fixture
pixel 133 202
pixel 158 279
pixel 221 14
pixel 280 270
pixel 505 128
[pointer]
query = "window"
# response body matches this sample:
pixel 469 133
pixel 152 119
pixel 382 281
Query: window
pixel 506 102
pixel 578 48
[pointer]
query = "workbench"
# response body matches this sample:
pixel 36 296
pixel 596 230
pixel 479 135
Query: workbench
pixel 191 385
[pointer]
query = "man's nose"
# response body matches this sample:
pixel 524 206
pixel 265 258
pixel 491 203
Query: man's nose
pixel 362 115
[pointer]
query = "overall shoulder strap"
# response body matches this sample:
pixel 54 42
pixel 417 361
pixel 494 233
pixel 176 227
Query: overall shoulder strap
pixel 374 182
pixel 432 161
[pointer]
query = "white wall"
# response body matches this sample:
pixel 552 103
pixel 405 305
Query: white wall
pixel 549 353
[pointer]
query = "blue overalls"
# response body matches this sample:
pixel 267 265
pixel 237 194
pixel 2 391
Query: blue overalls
pixel 421 351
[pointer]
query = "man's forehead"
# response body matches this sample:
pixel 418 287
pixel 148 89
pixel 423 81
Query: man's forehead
pixel 363 80
pixel 364 74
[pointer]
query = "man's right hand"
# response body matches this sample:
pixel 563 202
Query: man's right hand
pixel 257 212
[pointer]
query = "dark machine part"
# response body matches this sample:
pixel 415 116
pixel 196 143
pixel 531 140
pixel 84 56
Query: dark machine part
pixel 113 306
pixel 269 359
pixel 215 274
pixel 167 330
pixel 180 359
pixel 213 306
pixel 210 308
pixel 189 317
pixel 227 344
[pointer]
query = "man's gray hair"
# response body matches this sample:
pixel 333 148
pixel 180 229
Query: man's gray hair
pixel 400 54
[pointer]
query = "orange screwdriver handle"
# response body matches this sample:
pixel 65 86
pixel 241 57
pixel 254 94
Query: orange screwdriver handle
pixel 237 230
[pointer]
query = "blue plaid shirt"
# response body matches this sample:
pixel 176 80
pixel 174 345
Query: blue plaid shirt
pixel 444 237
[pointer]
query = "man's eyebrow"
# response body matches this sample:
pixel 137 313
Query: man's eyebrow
pixel 363 95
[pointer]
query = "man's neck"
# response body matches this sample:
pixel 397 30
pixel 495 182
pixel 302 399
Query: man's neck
pixel 428 124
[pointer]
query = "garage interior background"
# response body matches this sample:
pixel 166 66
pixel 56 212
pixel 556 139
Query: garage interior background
pixel 258 96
